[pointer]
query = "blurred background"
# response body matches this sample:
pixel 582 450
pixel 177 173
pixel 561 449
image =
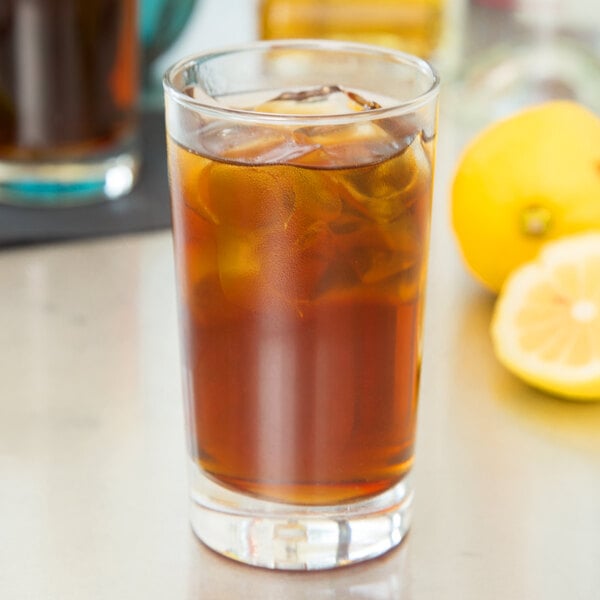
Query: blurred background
pixel 495 55
pixel 90 426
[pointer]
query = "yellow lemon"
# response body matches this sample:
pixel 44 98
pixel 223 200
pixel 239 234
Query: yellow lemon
pixel 546 322
pixel 523 181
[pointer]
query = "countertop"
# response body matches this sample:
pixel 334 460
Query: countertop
pixel 93 489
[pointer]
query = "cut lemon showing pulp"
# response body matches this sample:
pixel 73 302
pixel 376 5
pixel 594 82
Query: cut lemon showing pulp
pixel 546 323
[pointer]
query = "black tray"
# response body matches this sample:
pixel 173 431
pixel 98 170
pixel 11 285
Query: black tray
pixel 145 208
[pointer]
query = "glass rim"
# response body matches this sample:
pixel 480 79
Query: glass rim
pixel 399 107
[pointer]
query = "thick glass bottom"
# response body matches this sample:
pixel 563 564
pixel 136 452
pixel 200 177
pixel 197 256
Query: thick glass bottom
pixel 295 537
pixel 70 182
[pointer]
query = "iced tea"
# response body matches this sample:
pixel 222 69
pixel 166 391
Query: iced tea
pixel 68 85
pixel 68 101
pixel 301 259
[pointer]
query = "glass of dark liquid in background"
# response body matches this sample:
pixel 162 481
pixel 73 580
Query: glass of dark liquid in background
pixel 301 179
pixel 68 100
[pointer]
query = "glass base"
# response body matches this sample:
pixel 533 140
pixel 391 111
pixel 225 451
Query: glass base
pixel 298 537
pixel 70 182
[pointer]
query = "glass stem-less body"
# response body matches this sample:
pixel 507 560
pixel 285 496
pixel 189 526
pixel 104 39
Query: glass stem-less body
pixel 301 223
pixel 68 94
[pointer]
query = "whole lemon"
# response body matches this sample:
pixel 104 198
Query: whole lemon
pixel 530 178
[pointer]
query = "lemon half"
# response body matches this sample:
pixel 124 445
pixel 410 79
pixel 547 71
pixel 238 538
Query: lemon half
pixel 546 322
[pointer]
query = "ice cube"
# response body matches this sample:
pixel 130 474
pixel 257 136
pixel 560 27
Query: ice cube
pixel 250 144
pixel 316 195
pixel 337 280
pixel 428 145
pixel 382 264
pixel 200 278
pixel 187 180
pixel 248 198
pixel 239 267
pixel 278 268
pixel 295 259
pixel 385 190
pixel 379 252
pixel 403 129
pixel 324 100
pixel 327 145
pixel 399 270
pixel 344 145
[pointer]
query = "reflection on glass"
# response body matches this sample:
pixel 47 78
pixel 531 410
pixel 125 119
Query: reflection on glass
pixel 386 578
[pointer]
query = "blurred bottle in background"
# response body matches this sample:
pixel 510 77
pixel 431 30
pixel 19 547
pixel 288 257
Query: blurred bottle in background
pixel 431 29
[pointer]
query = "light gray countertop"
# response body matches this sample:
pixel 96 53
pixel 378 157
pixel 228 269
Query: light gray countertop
pixel 93 492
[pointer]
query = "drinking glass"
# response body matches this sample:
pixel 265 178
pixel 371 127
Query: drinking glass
pixel 68 101
pixel 301 179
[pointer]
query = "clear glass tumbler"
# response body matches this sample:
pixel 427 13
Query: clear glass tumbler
pixel 301 180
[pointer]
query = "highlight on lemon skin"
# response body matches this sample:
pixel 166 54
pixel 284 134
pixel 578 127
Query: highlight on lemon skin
pixel 546 322
pixel 522 182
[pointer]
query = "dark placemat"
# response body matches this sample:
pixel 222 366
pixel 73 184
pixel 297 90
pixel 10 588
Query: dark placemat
pixel 145 208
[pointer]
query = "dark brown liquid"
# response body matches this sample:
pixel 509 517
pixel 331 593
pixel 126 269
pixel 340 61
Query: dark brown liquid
pixel 68 76
pixel 301 298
